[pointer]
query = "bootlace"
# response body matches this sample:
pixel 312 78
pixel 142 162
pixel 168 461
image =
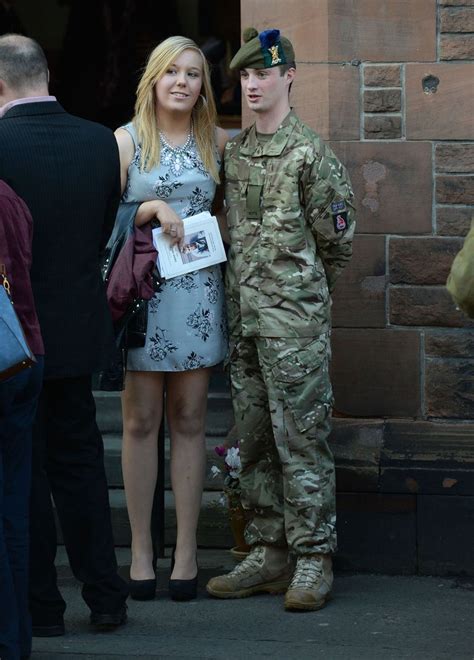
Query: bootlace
pixel 309 571
pixel 252 562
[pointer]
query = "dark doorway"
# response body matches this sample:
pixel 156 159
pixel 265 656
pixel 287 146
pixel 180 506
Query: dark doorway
pixel 96 49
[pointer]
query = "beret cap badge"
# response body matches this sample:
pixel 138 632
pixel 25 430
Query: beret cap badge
pixel 270 41
pixel 263 51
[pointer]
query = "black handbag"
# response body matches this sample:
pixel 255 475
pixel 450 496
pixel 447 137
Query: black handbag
pixel 130 330
pixel 15 354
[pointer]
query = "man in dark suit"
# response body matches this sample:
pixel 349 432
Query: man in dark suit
pixel 66 169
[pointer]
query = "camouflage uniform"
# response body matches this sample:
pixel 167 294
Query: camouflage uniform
pixel 291 224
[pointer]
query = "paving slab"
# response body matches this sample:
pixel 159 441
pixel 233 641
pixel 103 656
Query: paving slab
pixel 370 617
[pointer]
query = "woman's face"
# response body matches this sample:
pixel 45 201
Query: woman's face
pixel 180 86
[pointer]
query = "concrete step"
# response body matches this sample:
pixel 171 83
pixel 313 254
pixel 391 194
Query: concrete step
pixel 211 562
pixel 213 529
pixel 376 531
pixel 113 462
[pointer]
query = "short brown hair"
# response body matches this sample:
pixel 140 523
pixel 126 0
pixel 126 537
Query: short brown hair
pixel 22 62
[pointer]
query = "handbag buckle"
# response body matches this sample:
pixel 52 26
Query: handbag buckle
pixel 5 282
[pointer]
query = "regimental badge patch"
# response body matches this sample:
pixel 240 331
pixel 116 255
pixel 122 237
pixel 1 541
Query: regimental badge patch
pixel 340 221
pixel 276 59
pixel 338 206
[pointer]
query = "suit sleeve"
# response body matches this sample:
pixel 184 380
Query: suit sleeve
pixel 329 211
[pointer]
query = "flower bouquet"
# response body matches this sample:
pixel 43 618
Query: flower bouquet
pixel 238 519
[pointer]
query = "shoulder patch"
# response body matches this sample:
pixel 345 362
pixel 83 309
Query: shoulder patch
pixel 340 221
pixel 336 207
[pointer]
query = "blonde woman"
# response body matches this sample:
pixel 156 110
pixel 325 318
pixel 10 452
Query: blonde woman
pixel 170 155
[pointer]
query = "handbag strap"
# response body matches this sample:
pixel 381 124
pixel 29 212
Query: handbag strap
pixel 5 282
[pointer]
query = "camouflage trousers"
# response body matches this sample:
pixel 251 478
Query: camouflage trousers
pixel 282 400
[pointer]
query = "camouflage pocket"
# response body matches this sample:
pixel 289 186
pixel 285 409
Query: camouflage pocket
pixel 302 377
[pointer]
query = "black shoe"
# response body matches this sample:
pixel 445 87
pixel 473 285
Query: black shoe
pixel 50 630
pixel 182 589
pixel 106 622
pixel 142 589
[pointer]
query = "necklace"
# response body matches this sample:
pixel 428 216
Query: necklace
pixel 176 158
pixel 170 145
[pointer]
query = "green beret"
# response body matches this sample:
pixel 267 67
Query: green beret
pixel 263 51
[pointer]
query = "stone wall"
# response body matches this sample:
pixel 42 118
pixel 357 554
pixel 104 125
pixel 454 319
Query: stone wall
pixel 390 85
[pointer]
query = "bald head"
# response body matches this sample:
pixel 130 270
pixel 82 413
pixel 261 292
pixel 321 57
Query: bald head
pixel 23 66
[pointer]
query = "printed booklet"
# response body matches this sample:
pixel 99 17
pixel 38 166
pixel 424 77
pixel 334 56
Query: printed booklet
pixel 202 247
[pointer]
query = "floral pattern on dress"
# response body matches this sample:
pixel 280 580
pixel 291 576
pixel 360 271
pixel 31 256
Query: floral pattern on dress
pixel 165 186
pixel 199 201
pixel 186 317
pixel 210 291
pixel 153 304
pixel 201 322
pixel 137 156
pixel 159 347
pixel 183 282
pixel 193 361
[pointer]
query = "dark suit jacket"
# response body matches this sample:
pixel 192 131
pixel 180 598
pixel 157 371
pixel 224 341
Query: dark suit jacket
pixel 67 171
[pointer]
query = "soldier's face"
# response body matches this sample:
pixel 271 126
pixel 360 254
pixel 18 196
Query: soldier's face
pixel 264 89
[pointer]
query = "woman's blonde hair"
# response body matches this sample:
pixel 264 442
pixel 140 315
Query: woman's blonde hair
pixel 204 112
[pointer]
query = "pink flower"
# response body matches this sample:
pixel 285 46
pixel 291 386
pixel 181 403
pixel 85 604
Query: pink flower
pixel 220 450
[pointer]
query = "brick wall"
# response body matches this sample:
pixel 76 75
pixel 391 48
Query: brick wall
pixel 391 86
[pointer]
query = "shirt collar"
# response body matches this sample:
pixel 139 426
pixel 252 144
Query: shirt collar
pixel 27 99
pixel 273 147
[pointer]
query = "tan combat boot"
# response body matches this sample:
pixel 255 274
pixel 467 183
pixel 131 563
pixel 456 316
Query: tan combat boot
pixel 311 585
pixel 265 569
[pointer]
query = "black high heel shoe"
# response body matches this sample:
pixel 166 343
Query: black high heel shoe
pixel 182 589
pixel 143 589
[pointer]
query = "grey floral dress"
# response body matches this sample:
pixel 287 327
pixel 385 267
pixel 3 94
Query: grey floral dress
pixel 187 326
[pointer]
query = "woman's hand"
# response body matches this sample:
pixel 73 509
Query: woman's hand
pixel 170 223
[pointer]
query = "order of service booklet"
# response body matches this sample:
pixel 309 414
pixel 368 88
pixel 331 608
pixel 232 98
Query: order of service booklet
pixel 202 247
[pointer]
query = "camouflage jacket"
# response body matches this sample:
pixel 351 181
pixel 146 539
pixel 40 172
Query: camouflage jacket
pixel 291 223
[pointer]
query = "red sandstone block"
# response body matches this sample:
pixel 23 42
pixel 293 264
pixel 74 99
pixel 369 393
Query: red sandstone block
pixel 421 260
pixel 455 157
pixel 455 189
pixel 453 220
pixel 370 30
pixel 456 2
pixel 382 100
pixel 449 388
pixel 449 343
pixel 376 373
pixel 392 183
pixel 457 19
pixel 387 75
pixel 362 285
pixel 439 101
pixel 382 128
pixel 304 22
pixel 457 46
pixel 425 306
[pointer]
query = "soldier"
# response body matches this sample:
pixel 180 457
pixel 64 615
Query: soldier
pixel 291 224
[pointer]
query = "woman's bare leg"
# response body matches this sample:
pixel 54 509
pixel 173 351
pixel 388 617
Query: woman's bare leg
pixel 142 407
pixel 186 402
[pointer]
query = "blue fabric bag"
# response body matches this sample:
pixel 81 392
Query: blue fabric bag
pixel 15 354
